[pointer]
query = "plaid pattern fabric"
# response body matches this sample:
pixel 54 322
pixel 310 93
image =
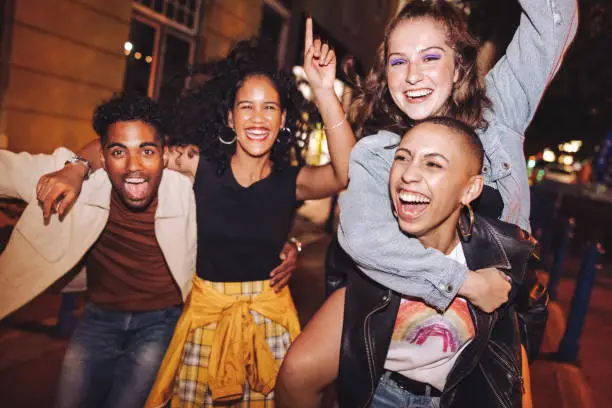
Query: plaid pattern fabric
pixel 190 387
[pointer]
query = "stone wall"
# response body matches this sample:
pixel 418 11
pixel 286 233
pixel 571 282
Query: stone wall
pixel 225 23
pixel 65 57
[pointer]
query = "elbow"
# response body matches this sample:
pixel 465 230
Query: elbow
pixel 342 183
pixel 341 180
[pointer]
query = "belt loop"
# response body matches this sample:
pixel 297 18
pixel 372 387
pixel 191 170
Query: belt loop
pixel 386 377
pixel 427 390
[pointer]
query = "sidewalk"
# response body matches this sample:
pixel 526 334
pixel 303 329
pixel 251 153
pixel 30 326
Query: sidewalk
pixel 30 356
pixel 587 383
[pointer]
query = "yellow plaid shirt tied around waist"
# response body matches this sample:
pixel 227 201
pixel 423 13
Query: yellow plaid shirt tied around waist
pixel 239 347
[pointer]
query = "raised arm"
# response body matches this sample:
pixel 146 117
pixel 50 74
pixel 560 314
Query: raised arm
pixel 19 172
pixel 515 86
pixel 517 82
pixel 320 67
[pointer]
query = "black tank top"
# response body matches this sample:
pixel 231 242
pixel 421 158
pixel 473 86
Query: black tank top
pixel 241 231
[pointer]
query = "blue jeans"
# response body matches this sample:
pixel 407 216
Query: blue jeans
pixel 113 357
pixel 389 395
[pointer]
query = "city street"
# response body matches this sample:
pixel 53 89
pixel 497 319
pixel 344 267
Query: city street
pixel 128 122
pixel 30 354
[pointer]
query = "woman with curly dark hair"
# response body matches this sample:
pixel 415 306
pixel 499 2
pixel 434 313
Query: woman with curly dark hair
pixel 237 325
pixel 235 329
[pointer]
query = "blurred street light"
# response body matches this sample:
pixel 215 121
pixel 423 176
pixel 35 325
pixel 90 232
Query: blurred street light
pixel 548 155
pixel 531 162
pixel 570 147
pixel 566 159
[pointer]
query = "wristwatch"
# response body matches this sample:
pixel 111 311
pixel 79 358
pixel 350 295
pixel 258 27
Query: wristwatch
pixel 79 159
pixel 297 243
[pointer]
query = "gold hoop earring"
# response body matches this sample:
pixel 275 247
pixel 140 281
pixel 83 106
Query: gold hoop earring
pixel 466 235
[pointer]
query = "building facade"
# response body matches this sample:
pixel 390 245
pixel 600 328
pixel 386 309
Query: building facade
pixel 60 58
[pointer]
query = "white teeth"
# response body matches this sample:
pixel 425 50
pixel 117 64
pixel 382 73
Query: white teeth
pixel 134 180
pixel 408 197
pixel 262 132
pixel 418 93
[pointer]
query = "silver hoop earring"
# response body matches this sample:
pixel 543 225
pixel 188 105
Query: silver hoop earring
pixel 224 141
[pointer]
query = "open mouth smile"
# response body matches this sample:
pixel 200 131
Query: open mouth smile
pixel 411 204
pixel 257 134
pixel 136 188
pixel 418 95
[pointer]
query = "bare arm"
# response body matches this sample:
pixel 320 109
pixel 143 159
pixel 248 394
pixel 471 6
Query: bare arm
pixel 320 67
pixel 184 159
pixel 92 152
pixel 57 191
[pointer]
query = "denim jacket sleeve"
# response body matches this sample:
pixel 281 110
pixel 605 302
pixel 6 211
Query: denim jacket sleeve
pixel 515 87
pixel 369 233
pixel 517 82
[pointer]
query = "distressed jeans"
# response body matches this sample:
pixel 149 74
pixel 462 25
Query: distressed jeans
pixel 113 357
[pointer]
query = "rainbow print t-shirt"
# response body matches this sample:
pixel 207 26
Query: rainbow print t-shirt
pixel 426 343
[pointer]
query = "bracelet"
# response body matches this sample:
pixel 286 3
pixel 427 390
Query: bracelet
pixel 79 159
pixel 298 244
pixel 336 125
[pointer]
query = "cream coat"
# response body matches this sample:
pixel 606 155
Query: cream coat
pixel 37 255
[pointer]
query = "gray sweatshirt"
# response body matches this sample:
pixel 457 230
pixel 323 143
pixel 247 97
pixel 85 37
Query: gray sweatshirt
pixel 368 231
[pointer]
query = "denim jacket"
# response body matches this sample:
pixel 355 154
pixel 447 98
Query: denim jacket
pixel 369 233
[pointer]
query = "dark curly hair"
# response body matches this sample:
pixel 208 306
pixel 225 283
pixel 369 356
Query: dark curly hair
pixel 200 114
pixel 125 107
pixel 374 109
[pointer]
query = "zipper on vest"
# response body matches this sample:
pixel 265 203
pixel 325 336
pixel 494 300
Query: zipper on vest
pixel 504 357
pixel 503 403
pixel 474 363
pixel 369 347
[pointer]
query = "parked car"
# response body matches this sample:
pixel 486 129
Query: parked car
pixel 560 174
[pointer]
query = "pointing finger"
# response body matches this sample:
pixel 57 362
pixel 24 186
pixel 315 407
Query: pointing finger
pixel 308 36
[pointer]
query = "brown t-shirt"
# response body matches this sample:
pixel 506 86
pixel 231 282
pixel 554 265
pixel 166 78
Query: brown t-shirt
pixel 126 269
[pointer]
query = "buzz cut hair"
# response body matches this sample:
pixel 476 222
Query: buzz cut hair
pixel 471 139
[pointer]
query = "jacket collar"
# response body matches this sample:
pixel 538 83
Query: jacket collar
pixel 97 191
pixel 484 236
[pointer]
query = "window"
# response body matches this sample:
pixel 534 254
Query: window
pixel 183 13
pixel 161 46
pixel 274 26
